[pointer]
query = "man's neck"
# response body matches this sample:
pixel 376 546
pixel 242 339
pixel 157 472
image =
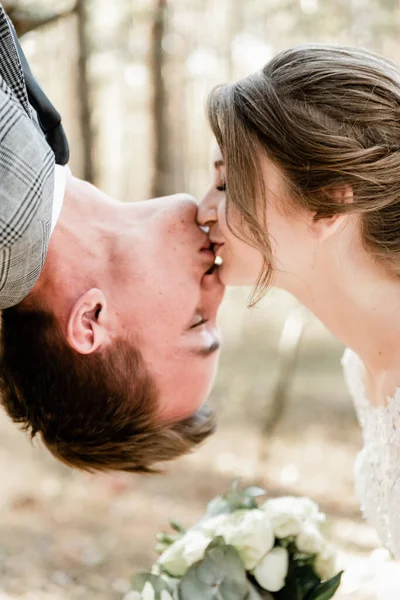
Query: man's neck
pixel 78 249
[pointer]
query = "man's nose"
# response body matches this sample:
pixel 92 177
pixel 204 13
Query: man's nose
pixel 184 207
pixel 207 209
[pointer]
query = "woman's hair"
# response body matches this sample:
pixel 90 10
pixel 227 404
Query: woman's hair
pixel 328 117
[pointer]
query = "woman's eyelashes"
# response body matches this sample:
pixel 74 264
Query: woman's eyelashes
pixel 221 187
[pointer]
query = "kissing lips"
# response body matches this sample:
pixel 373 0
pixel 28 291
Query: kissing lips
pixel 216 248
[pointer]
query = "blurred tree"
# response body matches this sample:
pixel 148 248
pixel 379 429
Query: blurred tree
pixel 30 18
pixel 288 353
pixel 27 19
pixel 161 164
pixel 84 91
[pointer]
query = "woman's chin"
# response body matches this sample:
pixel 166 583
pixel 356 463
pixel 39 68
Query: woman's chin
pixel 230 276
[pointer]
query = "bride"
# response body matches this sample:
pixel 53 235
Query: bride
pixel 307 198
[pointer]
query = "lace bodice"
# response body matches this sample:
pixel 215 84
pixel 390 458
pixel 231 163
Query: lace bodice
pixel 377 468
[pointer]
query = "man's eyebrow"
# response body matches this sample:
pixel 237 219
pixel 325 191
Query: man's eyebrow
pixel 207 350
pixel 218 164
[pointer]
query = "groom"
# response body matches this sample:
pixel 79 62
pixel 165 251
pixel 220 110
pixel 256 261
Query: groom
pixel 109 341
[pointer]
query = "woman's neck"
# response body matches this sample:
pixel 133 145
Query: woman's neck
pixel 358 301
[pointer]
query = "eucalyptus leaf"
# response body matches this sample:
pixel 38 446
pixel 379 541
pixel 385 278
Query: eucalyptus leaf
pixel 218 506
pixel 326 590
pixel 159 584
pixel 234 500
pixel 220 575
pixel 215 543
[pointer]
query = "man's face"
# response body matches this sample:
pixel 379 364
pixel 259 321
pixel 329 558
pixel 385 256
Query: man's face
pixel 164 301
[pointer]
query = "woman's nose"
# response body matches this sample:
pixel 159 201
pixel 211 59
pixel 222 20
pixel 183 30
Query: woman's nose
pixel 207 211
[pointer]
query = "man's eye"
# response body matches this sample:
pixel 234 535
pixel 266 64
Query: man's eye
pixel 222 187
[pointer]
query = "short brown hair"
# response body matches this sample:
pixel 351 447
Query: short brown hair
pixel 94 412
pixel 328 117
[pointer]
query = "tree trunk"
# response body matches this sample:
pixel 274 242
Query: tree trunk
pixel 84 92
pixel 159 101
pixel 28 19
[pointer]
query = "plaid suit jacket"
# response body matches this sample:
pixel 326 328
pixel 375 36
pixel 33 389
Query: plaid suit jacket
pixel 26 179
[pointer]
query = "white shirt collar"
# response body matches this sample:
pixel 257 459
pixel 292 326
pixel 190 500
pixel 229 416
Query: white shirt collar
pixel 60 182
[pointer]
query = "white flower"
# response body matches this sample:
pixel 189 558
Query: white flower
pixel 271 572
pixel 195 544
pixel 209 526
pixel 184 552
pixel 148 593
pixel 325 563
pixel 250 532
pixel 288 514
pixel 310 540
pixel 133 596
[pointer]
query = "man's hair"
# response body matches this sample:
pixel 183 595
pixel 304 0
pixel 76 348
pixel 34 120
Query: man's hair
pixel 328 117
pixel 94 412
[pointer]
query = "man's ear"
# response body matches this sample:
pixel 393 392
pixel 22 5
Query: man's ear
pixel 325 227
pixel 86 329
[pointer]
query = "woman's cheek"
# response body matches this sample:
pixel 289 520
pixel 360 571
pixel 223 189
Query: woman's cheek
pixel 222 216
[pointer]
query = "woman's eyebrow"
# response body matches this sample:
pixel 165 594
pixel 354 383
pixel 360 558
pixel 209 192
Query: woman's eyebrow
pixel 218 164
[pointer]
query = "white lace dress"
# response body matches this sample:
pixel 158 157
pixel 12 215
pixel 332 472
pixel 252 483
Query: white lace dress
pixel 377 468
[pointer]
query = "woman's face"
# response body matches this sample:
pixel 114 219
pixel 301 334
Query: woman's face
pixel 289 230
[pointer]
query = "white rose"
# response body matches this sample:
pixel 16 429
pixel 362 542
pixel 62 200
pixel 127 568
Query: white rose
pixel 166 595
pixel 271 572
pixel 184 552
pixel 325 563
pixel 288 514
pixel 250 532
pixel 147 593
pixel 310 540
pixel 195 544
pixel 209 526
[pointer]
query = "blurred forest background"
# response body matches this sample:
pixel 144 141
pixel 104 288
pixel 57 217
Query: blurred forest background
pixel 130 78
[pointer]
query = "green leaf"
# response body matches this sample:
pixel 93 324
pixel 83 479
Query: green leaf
pixel 234 500
pixel 235 485
pixel 218 506
pixel 300 580
pixel 326 590
pixel 219 576
pixel 177 526
pixel 159 584
pixel 291 591
pixel 253 491
pixel 166 538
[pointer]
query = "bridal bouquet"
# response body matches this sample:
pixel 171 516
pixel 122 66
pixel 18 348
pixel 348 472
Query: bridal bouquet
pixel 241 550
